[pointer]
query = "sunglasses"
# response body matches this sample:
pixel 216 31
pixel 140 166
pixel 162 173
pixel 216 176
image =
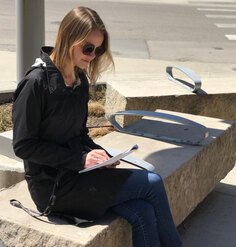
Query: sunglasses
pixel 89 48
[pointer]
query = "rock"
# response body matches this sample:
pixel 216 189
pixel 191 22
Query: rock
pixel 150 92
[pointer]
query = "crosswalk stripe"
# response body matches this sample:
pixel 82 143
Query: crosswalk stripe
pixel 230 36
pixel 225 25
pixel 213 4
pixel 221 10
pixel 222 16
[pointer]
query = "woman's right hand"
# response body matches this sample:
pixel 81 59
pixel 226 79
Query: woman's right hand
pixel 95 157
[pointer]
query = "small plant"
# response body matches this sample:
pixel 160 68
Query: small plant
pixel 96 114
pixel 97 93
pixel 5 117
pixel 95 109
pixel 99 132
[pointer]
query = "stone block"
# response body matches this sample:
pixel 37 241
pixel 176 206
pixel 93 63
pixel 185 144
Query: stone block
pixel 6 145
pixel 6 96
pixel 151 92
pixel 11 171
pixel 18 229
pixel 190 173
pixel 11 167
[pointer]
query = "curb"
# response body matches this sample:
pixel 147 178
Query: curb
pixel 6 96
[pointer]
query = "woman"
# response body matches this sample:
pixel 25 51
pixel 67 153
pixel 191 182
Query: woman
pixel 50 135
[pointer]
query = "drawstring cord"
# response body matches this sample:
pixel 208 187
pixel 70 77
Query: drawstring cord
pixel 47 211
pixel 35 214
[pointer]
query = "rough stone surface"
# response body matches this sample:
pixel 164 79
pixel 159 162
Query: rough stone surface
pixel 6 96
pixel 8 178
pixel 190 173
pixel 150 93
pixel 11 172
pixel 6 145
pixel 11 167
pixel 18 229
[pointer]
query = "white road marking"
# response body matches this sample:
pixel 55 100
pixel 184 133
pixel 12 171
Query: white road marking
pixel 221 10
pixel 230 36
pixel 222 16
pixel 225 25
pixel 214 4
pixel 226 15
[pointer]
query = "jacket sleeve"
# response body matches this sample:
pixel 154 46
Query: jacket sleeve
pixel 86 140
pixel 26 116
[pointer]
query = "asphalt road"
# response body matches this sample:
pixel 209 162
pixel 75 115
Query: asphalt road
pixel 171 32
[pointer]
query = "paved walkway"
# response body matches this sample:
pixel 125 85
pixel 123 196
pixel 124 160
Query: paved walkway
pixel 213 223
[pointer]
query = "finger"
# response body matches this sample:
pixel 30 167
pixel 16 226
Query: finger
pixel 99 158
pixel 110 166
pixel 95 153
pixel 116 163
pixel 101 152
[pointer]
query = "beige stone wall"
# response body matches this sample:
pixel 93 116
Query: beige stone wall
pixel 199 176
pixel 211 105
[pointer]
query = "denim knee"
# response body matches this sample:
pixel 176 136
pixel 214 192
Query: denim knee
pixel 136 212
pixel 142 213
pixel 155 179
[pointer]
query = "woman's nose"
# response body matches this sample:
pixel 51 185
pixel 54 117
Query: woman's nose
pixel 92 54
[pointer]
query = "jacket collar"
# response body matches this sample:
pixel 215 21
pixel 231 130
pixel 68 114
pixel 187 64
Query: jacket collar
pixel 54 77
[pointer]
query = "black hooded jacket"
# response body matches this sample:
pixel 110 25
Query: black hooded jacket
pixel 50 135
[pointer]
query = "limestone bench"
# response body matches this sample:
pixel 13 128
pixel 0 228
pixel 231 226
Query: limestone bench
pixel 190 173
pixel 11 167
pixel 148 92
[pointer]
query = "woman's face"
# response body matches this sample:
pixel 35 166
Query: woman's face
pixel 81 60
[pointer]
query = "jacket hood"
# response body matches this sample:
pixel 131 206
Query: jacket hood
pixel 52 77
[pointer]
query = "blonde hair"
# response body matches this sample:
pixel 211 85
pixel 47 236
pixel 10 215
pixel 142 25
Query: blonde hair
pixel 73 30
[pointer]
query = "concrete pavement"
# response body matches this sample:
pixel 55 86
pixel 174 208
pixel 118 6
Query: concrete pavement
pixel 133 66
pixel 212 224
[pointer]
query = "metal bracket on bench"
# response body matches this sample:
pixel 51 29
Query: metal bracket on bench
pixel 132 160
pixel 192 88
pixel 166 116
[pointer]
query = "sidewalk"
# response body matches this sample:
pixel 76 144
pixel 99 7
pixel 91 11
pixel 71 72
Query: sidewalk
pixel 132 66
pixel 212 224
pixel 205 2
pixel 7 71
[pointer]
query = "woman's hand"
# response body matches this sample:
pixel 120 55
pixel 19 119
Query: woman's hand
pixel 97 156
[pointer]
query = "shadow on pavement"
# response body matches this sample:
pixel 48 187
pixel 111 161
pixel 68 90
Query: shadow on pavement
pixel 213 222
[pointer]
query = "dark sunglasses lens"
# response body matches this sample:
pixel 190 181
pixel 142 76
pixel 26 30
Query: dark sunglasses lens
pixel 99 51
pixel 88 49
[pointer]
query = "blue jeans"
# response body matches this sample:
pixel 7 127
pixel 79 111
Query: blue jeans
pixel 142 201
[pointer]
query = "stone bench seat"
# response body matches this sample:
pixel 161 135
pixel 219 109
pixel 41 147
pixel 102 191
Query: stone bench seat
pixel 190 173
pixel 17 228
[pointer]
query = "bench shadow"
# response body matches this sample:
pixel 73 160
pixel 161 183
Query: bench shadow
pixel 61 219
pixel 155 129
pixel 199 91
